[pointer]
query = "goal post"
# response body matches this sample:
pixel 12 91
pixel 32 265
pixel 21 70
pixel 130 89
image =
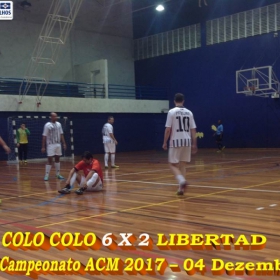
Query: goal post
pixel 35 124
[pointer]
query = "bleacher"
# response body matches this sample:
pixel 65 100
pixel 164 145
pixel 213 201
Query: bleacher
pixel 11 86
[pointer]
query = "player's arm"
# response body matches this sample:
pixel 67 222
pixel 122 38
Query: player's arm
pixel 63 141
pixel 166 137
pixel 27 131
pixel 4 145
pixel 90 174
pixel 167 132
pixel 44 138
pixel 194 140
pixel 113 137
pixel 193 135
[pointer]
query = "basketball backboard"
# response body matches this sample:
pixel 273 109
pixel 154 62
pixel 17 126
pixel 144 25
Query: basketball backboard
pixel 257 81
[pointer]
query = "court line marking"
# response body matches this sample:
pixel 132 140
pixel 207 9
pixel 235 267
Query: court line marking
pixel 155 204
pixel 196 186
pixel 213 170
pixel 124 181
pixel 33 194
pixel 192 166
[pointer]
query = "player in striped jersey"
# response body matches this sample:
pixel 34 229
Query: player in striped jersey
pixel 52 138
pixel 181 129
pixel 109 142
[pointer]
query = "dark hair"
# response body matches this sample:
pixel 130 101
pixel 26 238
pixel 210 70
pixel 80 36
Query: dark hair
pixel 110 117
pixel 87 155
pixel 179 98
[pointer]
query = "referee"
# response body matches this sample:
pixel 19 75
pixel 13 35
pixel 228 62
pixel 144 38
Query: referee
pixel 219 136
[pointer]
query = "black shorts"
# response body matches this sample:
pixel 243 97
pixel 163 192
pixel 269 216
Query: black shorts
pixel 219 137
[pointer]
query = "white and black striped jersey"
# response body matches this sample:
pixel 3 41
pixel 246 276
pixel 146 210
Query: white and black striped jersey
pixel 106 130
pixel 53 132
pixel 181 121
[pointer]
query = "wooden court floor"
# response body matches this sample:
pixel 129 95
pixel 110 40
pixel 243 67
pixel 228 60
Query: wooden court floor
pixel 235 192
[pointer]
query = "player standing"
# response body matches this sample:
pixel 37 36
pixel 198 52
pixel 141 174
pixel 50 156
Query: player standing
pixel 181 128
pixel 22 143
pixel 4 145
pixel 219 136
pixel 109 142
pixel 92 180
pixel 52 137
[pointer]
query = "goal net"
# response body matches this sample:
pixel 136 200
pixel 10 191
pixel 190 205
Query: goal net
pixel 35 124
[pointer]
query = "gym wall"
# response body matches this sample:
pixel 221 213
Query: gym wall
pixel 206 75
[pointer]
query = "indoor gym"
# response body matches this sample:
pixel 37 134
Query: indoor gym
pixel 128 59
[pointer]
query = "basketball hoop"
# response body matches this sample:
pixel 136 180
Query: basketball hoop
pixel 250 89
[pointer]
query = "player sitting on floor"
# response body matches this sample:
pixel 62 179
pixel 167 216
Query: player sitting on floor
pixel 91 181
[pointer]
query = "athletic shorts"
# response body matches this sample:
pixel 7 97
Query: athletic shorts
pixel 91 183
pixel 110 148
pixel 54 150
pixel 219 137
pixel 175 155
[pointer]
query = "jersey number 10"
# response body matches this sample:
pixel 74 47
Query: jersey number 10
pixel 184 124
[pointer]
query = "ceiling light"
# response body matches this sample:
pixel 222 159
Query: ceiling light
pixel 160 8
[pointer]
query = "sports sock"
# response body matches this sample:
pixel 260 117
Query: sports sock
pixel 106 157
pixel 180 179
pixel 73 179
pixel 48 169
pixel 57 167
pixel 113 156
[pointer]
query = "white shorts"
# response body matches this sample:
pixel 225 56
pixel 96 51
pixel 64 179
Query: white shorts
pixel 54 150
pixel 91 182
pixel 178 154
pixel 110 148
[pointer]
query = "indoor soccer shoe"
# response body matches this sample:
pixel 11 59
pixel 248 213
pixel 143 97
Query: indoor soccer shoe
pixel 180 193
pixel 59 177
pixel 182 188
pixel 79 191
pixel 64 191
pixel 46 178
pixel 115 166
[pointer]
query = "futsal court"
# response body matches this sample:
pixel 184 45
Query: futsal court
pixel 234 192
pixel 145 90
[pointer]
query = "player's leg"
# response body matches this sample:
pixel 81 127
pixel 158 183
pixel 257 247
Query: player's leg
pixel 58 154
pixel 25 151
pixel 76 177
pixel 222 145
pixel 185 157
pixel 20 153
pixel 94 184
pixel 48 166
pixel 218 142
pixel 112 147
pixel 106 156
pixel 174 164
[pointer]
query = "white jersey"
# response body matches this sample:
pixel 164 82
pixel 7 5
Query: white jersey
pixel 53 132
pixel 181 121
pixel 106 130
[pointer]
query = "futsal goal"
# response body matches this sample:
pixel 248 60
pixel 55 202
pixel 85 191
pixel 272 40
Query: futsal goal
pixel 35 124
